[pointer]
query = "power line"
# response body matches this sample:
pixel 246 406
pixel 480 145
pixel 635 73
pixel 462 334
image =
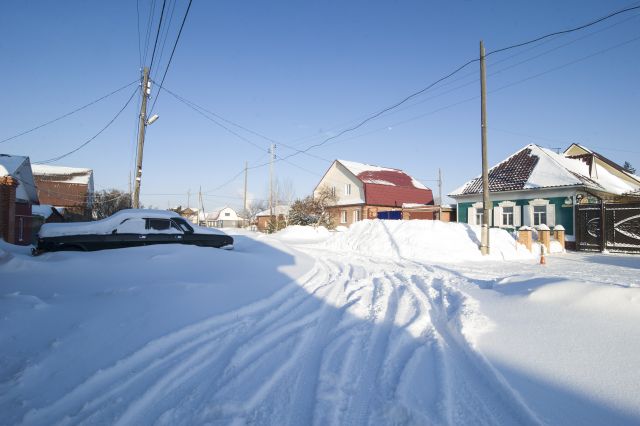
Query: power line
pixel 155 44
pixel 239 136
pixel 68 114
pixel 148 35
pixel 51 160
pixel 447 76
pixel 139 37
pixel 167 27
pixel 457 70
pixel 203 110
pixel 184 19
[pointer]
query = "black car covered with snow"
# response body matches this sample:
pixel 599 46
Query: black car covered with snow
pixel 129 228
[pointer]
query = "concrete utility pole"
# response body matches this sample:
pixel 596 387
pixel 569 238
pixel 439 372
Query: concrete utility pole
pixel 486 202
pixel 146 90
pixel 272 151
pixel 244 203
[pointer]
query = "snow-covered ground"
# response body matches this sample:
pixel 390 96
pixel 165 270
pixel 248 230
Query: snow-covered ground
pixel 384 323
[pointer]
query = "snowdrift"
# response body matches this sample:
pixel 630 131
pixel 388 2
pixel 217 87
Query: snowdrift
pixel 302 234
pixel 425 240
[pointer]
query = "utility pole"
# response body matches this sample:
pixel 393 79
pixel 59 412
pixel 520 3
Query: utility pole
pixel 439 186
pixel 188 198
pixel 204 215
pixel 439 194
pixel 486 202
pixel 130 194
pixel 272 151
pixel 146 90
pixel 244 204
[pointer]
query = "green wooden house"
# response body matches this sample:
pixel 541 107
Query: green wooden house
pixel 538 186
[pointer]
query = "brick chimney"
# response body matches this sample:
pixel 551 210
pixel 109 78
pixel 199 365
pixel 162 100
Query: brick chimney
pixel 8 187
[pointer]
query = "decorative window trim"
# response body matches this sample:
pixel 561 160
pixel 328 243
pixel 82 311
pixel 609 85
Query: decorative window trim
pixel 506 204
pixel 538 202
pixel 343 216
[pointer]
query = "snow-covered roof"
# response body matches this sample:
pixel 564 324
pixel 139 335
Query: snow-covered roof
pixel 19 167
pixel 368 173
pixel 536 167
pixel 277 210
pixel 63 174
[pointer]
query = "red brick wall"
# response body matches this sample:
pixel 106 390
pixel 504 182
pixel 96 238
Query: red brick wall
pixel 8 208
pixel 23 224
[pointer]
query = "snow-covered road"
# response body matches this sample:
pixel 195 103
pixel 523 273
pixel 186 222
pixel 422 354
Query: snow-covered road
pixel 341 338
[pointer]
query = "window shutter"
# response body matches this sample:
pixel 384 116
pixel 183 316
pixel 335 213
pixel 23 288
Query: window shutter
pixel 471 216
pixel 527 217
pixel 517 213
pixel 497 215
pixel 551 215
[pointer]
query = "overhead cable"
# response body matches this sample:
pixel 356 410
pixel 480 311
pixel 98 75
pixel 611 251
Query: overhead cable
pixel 67 114
pixel 59 157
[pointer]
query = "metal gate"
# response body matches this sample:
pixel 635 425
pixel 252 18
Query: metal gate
pixel 618 232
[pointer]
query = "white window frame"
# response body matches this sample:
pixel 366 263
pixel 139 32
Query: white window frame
pixel 550 211
pixel 477 211
pixel 343 216
pixel 347 189
pixel 356 216
pixel 498 214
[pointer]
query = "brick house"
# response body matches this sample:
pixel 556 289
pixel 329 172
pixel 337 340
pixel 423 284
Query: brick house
pixel 69 189
pixel 17 195
pixel 280 215
pixel 365 191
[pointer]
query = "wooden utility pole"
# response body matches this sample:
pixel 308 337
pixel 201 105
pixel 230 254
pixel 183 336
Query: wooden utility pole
pixel 146 90
pixel 439 186
pixel 204 214
pixel 244 204
pixel 272 151
pixel 486 202
pixel 188 198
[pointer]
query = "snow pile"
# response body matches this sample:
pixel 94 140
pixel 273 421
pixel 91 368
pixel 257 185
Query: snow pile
pixel 297 234
pixel 425 240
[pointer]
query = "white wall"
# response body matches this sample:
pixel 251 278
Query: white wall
pixel 338 176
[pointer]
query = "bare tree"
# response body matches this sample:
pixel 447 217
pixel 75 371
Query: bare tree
pixel 110 201
pixel 255 207
pixel 324 198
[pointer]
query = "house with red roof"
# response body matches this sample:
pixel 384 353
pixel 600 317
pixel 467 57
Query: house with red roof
pixel 364 191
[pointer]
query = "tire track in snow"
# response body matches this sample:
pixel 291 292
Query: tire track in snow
pixel 356 341
pixel 148 362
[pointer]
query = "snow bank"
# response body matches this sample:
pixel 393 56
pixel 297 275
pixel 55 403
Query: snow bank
pixel 298 234
pixel 425 240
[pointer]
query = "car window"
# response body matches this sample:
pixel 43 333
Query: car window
pixel 184 226
pixel 131 226
pixel 158 224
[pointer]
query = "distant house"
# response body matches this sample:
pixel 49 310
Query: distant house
pixel 67 188
pixel 536 186
pixel 224 217
pixel 366 191
pixel 279 216
pixel 17 196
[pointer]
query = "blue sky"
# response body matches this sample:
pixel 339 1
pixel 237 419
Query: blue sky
pixel 298 72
